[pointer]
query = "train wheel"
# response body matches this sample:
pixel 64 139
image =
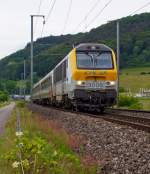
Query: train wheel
pixel 102 110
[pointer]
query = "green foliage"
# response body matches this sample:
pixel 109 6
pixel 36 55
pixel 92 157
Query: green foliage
pixel 122 89
pixel 32 153
pixel 21 104
pixel 129 102
pixel 39 156
pixel 3 96
pixel 9 85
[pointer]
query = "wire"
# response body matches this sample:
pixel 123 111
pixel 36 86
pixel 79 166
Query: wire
pixel 67 17
pixel 48 15
pixel 148 3
pixel 51 9
pixel 88 13
pixel 38 12
pixel 99 13
pixel 42 30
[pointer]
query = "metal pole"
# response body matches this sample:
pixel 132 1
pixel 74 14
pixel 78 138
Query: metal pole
pixel 31 54
pixel 32 16
pixel 118 59
pixel 24 77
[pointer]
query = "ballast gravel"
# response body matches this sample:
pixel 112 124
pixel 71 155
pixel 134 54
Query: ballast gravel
pixel 119 149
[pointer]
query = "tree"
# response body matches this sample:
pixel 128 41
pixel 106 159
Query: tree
pixel 3 96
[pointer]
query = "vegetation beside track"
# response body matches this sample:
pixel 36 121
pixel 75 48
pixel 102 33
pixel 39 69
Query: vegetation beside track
pixel 4 99
pixel 135 78
pixel 129 102
pixel 44 147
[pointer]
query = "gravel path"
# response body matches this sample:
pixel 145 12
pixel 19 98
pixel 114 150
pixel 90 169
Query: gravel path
pixel 120 149
pixel 5 112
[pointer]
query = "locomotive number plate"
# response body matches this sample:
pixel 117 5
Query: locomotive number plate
pixel 100 85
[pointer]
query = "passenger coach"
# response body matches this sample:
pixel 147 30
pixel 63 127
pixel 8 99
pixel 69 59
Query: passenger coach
pixel 85 79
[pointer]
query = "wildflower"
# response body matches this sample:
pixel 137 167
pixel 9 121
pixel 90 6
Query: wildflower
pixel 55 153
pixel 15 164
pixel 20 144
pixel 19 134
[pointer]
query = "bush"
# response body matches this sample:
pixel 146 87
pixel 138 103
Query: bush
pixel 130 102
pixel 143 73
pixel 3 96
pixel 122 89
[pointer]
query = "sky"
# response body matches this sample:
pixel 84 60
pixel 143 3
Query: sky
pixel 15 18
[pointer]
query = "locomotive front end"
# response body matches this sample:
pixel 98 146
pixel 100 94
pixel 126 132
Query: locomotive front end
pixel 94 75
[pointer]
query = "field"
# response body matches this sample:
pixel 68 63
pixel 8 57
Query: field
pixel 135 78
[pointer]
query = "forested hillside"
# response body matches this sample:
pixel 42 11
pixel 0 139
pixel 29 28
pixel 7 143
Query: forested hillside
pixel 48 51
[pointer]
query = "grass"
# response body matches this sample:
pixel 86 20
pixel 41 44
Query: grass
pixel 132 78
pixel 57 138
pixel 2 104
pixel 145 103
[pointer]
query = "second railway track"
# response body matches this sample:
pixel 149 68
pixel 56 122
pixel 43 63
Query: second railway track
pixel 131 118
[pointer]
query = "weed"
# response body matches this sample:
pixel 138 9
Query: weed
pixel 130 102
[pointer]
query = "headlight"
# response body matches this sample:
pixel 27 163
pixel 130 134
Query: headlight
pixel 111 83
pixel 79 82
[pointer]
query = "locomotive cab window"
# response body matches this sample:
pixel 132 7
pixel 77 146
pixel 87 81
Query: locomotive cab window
pixel 94 60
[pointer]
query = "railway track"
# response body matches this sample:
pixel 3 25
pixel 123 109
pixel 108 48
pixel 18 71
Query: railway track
pixel 134 118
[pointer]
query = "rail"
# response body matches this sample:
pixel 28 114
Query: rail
pixel 138 122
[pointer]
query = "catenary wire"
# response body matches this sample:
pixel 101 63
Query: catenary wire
pixel 48 15
pixel 51 9
pixel 38 12
pixel 145 5
pixel 88 13
pixel 99 13
pixel 67 17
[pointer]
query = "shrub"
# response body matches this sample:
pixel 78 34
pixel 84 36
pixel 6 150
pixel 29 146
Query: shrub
pixel 3 96
pixel 122 89
pixel 130 102
pixel 143 73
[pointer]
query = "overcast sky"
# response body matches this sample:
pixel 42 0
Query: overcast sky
pixel 15 18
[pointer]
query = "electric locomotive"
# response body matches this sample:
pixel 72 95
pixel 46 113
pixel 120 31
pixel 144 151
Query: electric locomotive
pixel 85 79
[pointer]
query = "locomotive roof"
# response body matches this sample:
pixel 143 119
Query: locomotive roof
pixel 92 46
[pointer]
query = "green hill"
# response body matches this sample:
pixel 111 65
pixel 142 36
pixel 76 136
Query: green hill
pixel 48 51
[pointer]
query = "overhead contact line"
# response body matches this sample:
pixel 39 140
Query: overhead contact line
pixel 89 12
pixel 38 12
pixel 145 5
pixel 48 15
pixel 100 12
pixel 67 17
